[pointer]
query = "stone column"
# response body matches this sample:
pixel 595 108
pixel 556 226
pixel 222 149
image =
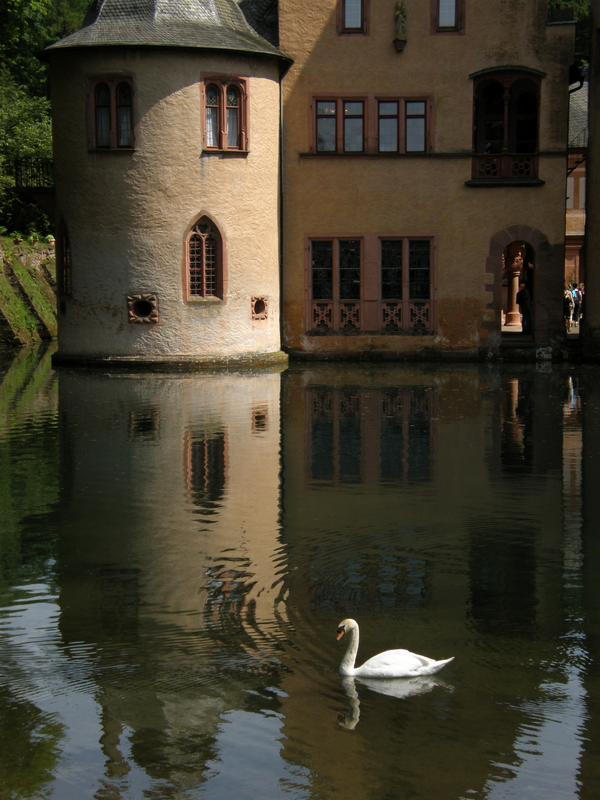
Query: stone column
pixel 513 315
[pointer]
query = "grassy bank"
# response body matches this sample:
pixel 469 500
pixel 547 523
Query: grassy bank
pixel 27 292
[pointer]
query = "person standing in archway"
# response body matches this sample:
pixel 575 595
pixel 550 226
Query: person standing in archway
pixel 524 303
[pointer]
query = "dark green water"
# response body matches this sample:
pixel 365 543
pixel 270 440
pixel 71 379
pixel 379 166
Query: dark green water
pixel 176 553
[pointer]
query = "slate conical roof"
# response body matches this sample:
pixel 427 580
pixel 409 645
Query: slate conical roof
pixel 202 24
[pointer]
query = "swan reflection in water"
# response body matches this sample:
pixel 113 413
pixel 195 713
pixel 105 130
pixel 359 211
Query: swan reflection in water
pixel 400 688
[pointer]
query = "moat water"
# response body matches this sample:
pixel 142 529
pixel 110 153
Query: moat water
pixel 177 550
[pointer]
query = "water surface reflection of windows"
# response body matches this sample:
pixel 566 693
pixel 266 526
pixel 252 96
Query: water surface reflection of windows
pixel 205 461
pixel 358 435
pixel 336 435
pixel 405 434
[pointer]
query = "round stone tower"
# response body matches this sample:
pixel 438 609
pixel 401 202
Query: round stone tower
pixel 166 127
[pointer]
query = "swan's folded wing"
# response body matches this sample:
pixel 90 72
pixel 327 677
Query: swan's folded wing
pixel 393 662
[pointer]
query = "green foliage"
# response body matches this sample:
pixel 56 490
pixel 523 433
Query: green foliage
pixel 581 12
pixel 577 9
pixel 31 747
pixel 26 28
pixel 25 130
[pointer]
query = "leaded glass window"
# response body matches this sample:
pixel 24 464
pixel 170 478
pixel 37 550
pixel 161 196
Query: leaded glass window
pixel 419 269
pixel 391 269
pixel 204 261
pixel 212 115
pixel 322 270
pixel 225 110
pixel 233 116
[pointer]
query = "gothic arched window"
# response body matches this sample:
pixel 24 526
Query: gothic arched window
pixel 225 125
pixel 204 252
pixel 111 114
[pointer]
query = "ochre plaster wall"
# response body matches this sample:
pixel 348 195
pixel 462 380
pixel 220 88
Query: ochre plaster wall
pixel 423 195
pixel 128 213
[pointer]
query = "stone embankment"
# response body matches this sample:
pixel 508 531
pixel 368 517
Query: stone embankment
pixel 27 292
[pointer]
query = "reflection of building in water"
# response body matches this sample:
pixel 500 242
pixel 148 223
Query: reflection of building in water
pixel 510 583
pixel 169 549
pixel 360 435
pixel 205 457
pixel 516 426
pixel 465 545
pixel 590 549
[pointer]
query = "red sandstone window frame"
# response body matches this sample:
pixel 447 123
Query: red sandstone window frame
pixel 371 313
pixel 341 117
pixel 371 117
pixel 459 15
pixel 116 116
pixel 219 141
pixel 342 18
pixel 387 115
pixel 204 262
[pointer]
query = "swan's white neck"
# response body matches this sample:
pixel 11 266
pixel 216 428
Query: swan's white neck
pixel 349 659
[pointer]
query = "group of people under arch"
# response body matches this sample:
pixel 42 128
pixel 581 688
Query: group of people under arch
pixel 573 298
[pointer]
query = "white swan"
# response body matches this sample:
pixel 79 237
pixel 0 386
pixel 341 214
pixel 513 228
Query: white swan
pixel 389 664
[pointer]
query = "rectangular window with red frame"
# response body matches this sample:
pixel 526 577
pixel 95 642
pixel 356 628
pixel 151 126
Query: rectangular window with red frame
pixel 352 16
pixel 326 126
pixel 448 15
pixel 335 269
pixel 341 125
pixel 416 126
pixel 388 133
pixel 354 126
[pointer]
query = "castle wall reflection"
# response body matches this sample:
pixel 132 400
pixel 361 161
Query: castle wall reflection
pixel 170 599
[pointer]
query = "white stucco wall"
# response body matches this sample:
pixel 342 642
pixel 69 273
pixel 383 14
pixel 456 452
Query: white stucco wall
pixel 128 213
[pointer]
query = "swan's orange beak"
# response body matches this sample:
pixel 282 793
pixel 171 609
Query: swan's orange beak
pixel 340 633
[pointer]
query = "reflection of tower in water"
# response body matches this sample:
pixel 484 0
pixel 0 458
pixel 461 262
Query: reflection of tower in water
pixel 169 554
